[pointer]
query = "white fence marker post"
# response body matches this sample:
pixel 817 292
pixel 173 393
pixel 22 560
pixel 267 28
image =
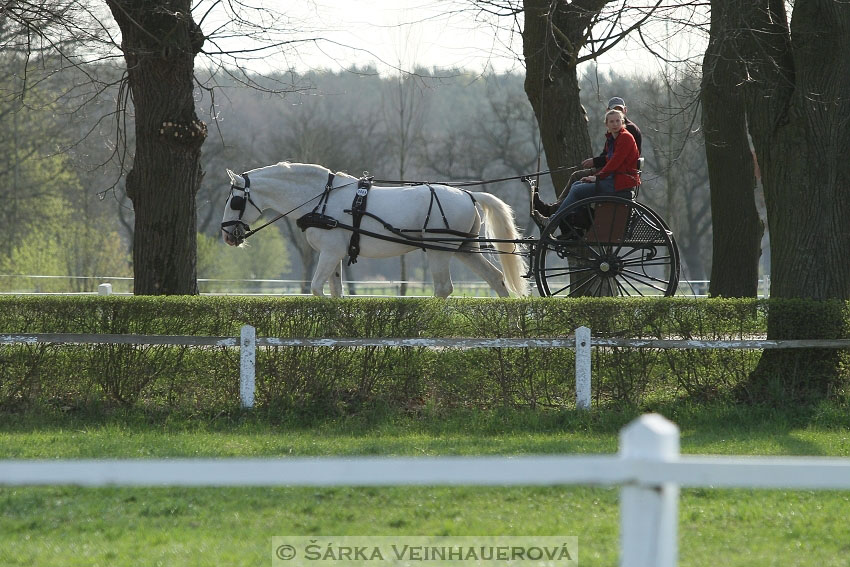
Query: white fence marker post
pixel 247 365
pixel 104 289
pixel 649 512
pixel 583 368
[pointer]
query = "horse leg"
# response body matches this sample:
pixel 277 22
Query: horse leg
pixel 336 281
pixel 484 268
pixel 327 267
pixel 438 262
pixel 332 246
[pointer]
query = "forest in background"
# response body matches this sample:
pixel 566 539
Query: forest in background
pixel 63 148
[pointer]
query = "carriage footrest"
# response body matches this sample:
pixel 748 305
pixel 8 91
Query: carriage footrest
pixel 316 220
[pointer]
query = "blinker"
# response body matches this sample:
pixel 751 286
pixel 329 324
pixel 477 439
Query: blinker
pixel 237 203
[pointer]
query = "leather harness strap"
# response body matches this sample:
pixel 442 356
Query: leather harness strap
pixel 323 201
pixel 358 207
pixel 318 219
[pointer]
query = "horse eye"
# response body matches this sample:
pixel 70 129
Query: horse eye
pixel 237 203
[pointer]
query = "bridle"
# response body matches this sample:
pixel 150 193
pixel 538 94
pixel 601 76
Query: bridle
pixel 240 230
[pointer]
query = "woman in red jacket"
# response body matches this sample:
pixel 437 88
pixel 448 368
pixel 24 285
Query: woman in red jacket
pixel 620 172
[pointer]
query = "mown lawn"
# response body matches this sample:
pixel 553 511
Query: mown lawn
pixel 234 526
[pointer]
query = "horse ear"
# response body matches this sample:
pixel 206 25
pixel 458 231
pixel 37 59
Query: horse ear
pixel 231 175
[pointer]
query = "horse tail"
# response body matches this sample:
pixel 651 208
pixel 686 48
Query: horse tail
pixel 500 224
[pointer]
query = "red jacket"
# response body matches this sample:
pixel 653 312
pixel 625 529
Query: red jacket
pixel 623 164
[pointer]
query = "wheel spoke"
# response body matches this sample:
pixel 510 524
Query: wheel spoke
pixel 566 272
pixel 581 285
pixel 645 280
pixel 625 291
pixel 577 285
pixel 657 261
pixel 631 270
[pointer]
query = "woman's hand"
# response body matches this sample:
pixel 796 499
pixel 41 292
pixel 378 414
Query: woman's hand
pixel 589 179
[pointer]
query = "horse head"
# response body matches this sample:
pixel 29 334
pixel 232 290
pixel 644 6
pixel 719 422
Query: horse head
pixel 239 210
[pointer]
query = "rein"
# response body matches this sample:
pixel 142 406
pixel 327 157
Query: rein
pixel 474 183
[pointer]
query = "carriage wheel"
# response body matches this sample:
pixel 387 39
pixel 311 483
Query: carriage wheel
pixel 606 246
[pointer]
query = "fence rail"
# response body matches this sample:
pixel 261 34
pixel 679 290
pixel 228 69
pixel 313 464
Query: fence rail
pixel 649 469
pixel 602 470
pixel 18 284
pixel 94 339
pixel 457 343
pixel 582 341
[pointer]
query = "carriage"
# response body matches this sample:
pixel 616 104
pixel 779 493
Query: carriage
pixel 605 245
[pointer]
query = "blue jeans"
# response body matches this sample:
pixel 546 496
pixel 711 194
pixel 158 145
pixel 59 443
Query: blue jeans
pixel 581 191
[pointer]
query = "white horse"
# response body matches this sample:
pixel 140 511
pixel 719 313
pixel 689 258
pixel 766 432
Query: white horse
pixel 296 188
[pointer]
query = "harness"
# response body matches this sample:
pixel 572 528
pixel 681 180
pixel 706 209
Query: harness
pixel 358 208
pixel 318 219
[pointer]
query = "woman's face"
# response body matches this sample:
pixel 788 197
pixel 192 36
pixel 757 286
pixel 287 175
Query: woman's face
pixel 614 123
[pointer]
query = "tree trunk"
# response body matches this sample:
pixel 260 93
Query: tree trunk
pixel 554 34
pixel 160 41
pixel 797 89
pixel 551 83
pixel 737 228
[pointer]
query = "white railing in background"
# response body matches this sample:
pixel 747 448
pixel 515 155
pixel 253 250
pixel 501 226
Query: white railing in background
pixel 275 287
pixel 581 341
pixel 649 468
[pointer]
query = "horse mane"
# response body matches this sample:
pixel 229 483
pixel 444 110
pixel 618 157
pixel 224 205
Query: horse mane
pixel 289 164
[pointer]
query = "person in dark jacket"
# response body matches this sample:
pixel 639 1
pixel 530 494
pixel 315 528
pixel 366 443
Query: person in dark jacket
pixel 591 165
pixel 620 170
pixel 616 103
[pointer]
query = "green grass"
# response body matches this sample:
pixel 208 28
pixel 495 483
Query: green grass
pixel 234 526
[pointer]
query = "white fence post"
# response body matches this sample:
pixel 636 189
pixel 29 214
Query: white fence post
pixel 583 368
pixel 247 365
pixel 648 512
pixel 104 289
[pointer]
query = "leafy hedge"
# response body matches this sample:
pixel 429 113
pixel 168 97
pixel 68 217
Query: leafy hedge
pixel 337 379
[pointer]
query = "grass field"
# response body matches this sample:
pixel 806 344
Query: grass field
pixel 234 526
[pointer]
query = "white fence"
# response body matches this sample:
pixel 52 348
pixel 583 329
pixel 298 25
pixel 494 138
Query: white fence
pixel 62 285
pixel 581 341
pixel 649 468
